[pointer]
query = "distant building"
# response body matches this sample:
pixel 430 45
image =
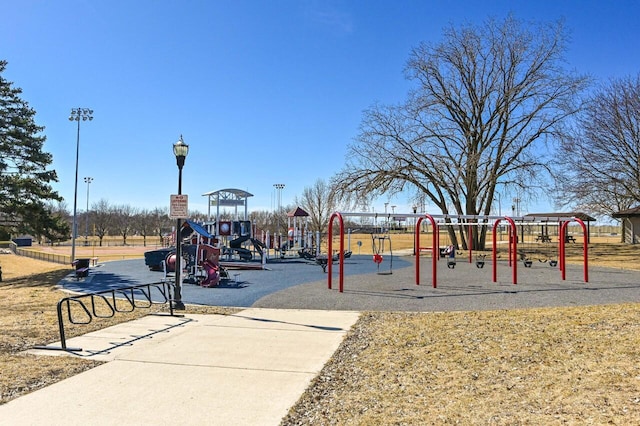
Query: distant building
pixel 630 224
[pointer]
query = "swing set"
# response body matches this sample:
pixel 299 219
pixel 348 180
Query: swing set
pixel 492 222
pixel 546 254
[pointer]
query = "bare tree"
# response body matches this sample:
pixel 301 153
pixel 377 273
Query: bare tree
pixel 123 220
pixel 198 216
pixel 601 162
pixel 486 101
pixel 160 222
pixel 103 218
pixel 263 219
pixel 144 224
pixel 320 201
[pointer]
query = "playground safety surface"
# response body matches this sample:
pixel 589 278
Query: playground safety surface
pixel 300 284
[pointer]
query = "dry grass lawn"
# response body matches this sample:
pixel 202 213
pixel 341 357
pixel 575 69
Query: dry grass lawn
pixel 28 299
pixel 530 367
pixel 578 365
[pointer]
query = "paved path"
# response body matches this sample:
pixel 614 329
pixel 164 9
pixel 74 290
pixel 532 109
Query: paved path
pixel 243 369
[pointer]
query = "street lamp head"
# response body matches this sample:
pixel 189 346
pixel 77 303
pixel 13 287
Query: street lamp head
pixel 180 150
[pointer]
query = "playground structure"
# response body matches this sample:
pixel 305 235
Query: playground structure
pixel 240 239
pixel 209 249
pixel 470 222
pixel 200 258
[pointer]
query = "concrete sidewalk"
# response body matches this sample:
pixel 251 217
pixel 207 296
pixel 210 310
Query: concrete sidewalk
pixel 248 368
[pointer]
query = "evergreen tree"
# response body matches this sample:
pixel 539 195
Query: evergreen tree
pixel 25 181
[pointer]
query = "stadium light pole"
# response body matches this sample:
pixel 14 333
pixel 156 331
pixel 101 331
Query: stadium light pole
pixel 279 187
pixel 87 180
pixel 180 150
pixel 77 114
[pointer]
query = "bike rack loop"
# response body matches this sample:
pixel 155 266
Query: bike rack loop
pixel 108 298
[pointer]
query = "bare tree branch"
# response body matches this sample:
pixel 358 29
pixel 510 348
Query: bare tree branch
pixel 487 100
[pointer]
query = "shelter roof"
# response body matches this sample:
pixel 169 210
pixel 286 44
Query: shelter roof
pixel 297 212
pixel 582 216
pixel 627 213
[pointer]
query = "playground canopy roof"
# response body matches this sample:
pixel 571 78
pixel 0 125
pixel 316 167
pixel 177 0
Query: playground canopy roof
pixel 197 228
pixel 228 196
pixel 298 212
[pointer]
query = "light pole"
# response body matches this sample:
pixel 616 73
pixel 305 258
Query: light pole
pixel 180 150
pixel 499 199
pixel 279 187
pixel 415 221
pixel 88 181
pixel 393 212
pixel 77 114
pixel 385 214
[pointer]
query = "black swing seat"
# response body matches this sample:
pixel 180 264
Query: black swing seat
pixel 451 263
pixel 323 261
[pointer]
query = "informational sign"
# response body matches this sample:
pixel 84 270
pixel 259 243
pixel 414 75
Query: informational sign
pixel 179 206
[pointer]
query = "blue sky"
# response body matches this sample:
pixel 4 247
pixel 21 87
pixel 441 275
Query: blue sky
pixel 263 92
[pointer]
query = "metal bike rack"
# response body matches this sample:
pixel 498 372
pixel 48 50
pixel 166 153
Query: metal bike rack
pixel 137 296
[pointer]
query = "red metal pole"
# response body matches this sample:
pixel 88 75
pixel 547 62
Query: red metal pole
pixel 470 243
pixel 329 250
pixel 416 238
pixel 510 243
pixel 585 248
pixel 434 250
pixel 563 269
pixel 513 255
pixel 494 252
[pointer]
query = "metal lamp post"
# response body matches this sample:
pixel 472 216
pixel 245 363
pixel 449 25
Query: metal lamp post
pixel 180 150
pixel 393 212
pixel 87 180
pixel 77 114
pixel 279 187
pixel 415 221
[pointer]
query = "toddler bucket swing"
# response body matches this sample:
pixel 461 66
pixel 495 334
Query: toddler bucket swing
pixel 378 243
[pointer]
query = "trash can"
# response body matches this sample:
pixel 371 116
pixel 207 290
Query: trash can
pixel 22 242
pixel 82 267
